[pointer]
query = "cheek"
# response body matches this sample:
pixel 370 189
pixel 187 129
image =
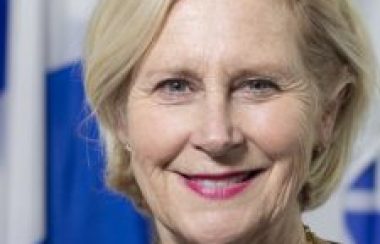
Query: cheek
pixel 157 134
pixel 278 127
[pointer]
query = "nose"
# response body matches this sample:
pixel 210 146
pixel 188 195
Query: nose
pixel 216 134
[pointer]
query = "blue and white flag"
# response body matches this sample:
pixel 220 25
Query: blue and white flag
pixel 79 207
pixel 362 214
pixel 51 172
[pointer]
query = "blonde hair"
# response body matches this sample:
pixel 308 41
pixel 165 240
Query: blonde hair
pixel 330 37
pixel 334 49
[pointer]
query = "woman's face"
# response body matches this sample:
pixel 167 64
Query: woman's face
pixel 216 122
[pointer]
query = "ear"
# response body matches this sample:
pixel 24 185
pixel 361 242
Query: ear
pixel 331 112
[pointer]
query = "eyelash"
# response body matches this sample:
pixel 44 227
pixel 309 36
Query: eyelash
pixel 256 83
pixel 175 88
pixel 166 84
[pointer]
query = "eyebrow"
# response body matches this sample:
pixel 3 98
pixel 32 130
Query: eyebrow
pixel 176 71
pixel 270 71
pixel 266 70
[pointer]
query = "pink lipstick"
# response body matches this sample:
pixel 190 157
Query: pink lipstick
pixel 220 186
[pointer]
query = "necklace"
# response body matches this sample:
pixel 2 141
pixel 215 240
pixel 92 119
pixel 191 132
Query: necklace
pixel 310 237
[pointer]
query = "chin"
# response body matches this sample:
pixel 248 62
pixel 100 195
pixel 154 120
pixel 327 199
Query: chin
pixel 214 234
pixel 215 227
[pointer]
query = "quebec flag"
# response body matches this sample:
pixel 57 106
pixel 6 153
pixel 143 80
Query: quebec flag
pixel 362 214
pixel 51 164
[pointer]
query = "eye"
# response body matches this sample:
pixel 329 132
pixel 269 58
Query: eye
pixel 174 91
pixel 260 84
pixel 174 86
pixel 257 88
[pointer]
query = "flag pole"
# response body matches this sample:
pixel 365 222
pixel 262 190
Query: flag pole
pixel 25 123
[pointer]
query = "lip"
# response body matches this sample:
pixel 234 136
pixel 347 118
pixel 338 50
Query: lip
pixel 220 186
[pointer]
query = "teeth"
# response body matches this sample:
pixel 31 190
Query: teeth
pixel 212 184
pixel 215 184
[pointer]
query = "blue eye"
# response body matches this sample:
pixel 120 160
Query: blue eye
pixel 256 89
pixel 174 86
pixel 174 91
pixel 260 85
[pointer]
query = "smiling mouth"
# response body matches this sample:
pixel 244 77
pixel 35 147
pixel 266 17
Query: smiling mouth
pixel 220 186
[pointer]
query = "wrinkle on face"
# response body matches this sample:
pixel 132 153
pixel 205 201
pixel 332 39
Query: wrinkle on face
pixel 215 44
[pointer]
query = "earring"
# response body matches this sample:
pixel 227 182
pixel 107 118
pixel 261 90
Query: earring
pixel 128 147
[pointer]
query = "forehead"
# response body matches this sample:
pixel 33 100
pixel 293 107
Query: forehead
pixel 226 33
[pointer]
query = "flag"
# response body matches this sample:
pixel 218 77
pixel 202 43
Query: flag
pixel 51 172
pixel 80 209
pixel 362 216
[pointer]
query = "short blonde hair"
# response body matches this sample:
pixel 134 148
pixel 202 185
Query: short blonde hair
pixel 329 35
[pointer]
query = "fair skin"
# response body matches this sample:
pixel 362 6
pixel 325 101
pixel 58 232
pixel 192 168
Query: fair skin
pixel 217 94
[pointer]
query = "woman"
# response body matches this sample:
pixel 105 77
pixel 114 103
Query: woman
pixel 224 120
